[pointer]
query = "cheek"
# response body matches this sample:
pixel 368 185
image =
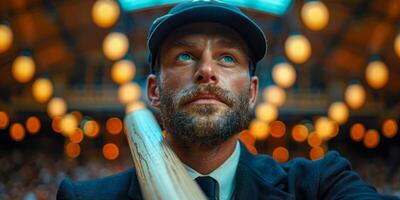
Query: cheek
pixel 237 82
pixel 176 80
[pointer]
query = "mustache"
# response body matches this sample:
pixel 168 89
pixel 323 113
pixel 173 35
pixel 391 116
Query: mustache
pixel 188 94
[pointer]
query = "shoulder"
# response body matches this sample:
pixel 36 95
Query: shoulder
pixel 111 187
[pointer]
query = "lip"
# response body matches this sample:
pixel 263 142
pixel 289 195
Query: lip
pixel 206 98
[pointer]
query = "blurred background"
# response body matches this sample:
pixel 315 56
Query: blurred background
pixel 71 69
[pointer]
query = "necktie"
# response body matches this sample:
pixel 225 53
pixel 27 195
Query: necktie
pixel 209 187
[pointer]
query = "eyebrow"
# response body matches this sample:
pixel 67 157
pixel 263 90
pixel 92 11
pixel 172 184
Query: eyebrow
pixel 220 43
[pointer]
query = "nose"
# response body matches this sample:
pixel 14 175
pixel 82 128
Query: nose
pixel 206 71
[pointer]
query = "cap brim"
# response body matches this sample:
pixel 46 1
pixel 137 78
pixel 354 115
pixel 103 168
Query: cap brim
pixel 247 28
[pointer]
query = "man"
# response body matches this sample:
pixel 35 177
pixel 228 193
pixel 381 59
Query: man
pixel 203 56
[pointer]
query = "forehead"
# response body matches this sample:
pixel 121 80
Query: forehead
pixel 195 32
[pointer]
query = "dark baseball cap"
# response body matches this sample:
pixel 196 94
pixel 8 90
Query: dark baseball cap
pixel 207 11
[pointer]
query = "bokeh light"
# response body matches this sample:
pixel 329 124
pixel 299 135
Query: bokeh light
pixel 338 111
pixel 325 128
pixel 4 120
pixel 274 95
pixel 259 129
pixel 72 150
pixel 299 133
pixel 371 138
pixel 133 106
pixel 110 151
pixel 280 154
pixel 33 125
pixel 316 153
pixel 17 132
pixel 377 74
pixel 277 129
pixel 115 45
pixel 314 140
pixel 77 136
pixel 129 92
pixel 355 96
pixel 284 74
pixel 91 128
pixel 56 107
pixel 266 112
pixel 315 15
pixel 68 124
pixel 56 124
pixel 42 90
pixel 123 71
pixel 357 132
pixel 23 69
pixel 298 49
pixel 397 45
pixel 247 138
pixel 6 38
pixel 105 13
pixel 114 125
pixel 389 128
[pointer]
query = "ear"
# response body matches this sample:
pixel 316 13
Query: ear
pixel 253 91
pixel 153 93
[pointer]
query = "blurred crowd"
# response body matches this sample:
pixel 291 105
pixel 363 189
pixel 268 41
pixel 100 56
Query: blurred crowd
pixel 31 175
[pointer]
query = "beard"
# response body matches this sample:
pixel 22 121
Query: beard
pixel 205 124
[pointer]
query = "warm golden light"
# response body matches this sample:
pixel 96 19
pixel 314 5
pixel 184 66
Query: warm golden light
pixel 325 128
pixel 129 92
pixel 397 45
pixel 4 120
pixel 123 71
pixel 280 154
pixel 105 13
pixel 133 106
pixel 357 132
pixel 42 90
pixel 114 125
pixel 23 69
pixel 298 49
pixel 72 150
pixel 355 96
pixel 299 133
pixel 78 115
pixel 68 124
pixel 284 75
pixel 17 132
pixel 115 45
pixel 77 136
pixel 6 38
pixel 266 112
pixel 313 140
pixel 316 153
pixel 56 107
pixel 56 124
pixel 389 128
pixel 33 125
pixel 259 129
pixel 371 138
pixel 338 111
pixel 91 128
pixel 277 129
pixel 247 138
pixel 110 151
pixel 315 15
pixel 274 95
pixel 377 74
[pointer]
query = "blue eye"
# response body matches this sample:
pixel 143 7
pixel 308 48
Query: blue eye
pixel 184 57
pixel 228 59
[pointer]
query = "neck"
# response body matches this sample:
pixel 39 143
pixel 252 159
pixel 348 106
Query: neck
pixel 202 158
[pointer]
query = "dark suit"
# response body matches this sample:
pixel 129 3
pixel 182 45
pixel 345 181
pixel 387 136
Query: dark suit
pixel 257 177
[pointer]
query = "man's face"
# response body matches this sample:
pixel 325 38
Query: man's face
pixel 204 90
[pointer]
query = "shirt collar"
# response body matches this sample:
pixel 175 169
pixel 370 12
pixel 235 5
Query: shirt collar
pixel 224 174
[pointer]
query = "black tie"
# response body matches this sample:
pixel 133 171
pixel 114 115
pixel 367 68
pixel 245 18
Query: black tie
pixel 209 187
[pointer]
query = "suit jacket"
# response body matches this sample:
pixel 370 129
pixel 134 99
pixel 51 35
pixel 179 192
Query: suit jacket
pixel 257 177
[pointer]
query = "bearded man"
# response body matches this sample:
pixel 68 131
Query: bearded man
pixel 203 56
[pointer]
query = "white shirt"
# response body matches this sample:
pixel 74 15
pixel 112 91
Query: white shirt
pixel 224 174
